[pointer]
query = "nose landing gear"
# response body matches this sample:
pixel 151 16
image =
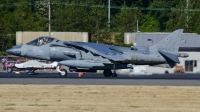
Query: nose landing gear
pixel 62 72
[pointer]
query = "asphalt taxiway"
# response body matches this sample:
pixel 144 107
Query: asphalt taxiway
pixel 99 79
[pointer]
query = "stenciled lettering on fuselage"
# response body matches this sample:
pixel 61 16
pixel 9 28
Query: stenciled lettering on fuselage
pixel 99 60
pixel 161 48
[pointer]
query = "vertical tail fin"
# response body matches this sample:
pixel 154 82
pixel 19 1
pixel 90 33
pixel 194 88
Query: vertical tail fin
pixel 169 44
pixel 169 47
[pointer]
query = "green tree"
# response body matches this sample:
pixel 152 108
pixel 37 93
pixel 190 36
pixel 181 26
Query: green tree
pixel 149 24
pixel 188 20
pixel 177 18
pixel 162 16
pixel 193 22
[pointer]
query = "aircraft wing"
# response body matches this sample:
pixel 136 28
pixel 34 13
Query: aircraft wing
pixel 99 49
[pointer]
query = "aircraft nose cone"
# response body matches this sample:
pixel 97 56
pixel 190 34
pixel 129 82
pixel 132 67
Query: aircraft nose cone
pixel 16 50
pixel 9 51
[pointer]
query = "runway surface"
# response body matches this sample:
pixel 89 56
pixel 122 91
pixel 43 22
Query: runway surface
pixel 99 79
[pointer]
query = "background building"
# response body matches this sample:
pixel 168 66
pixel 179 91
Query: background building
pixel 23 37
pixel 190 44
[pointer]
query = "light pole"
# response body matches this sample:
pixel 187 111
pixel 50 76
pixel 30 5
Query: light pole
pixel 137 25
pixel 49 3
pixel 108 14
pixel 187 4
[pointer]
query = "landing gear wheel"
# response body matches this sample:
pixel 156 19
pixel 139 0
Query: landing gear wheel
pixel 114 75
pixel 27 71
pixel 9 70
pixel 31 72
pixel 107 73
pixel 64 73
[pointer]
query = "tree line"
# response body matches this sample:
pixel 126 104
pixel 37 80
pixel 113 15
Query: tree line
pixel 92 16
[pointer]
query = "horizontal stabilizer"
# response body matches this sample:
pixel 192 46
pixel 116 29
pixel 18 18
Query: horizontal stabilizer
pixel 169 57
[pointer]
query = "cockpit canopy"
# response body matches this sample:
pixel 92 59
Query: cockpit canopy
pixel 41 41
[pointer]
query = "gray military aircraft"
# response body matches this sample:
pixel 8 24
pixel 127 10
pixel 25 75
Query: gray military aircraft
pixel 84 56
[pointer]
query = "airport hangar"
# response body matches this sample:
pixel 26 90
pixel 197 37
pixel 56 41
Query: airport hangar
pixel 190 44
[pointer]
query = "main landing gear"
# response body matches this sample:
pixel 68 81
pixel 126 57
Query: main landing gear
pixel 108 73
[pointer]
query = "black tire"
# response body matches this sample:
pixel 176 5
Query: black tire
pixel 9 70
pixel 107 73
pixel 63 75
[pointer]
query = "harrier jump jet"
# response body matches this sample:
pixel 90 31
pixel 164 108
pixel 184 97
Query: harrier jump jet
pixel 84 56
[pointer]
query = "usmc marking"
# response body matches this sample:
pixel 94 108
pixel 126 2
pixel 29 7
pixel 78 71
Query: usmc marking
pixel 16 51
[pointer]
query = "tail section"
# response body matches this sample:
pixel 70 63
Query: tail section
pixel 169 46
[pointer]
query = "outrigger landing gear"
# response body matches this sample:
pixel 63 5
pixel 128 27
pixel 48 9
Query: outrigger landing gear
pixel 62 72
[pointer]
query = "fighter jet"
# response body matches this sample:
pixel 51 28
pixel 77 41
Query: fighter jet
pixel 86 57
